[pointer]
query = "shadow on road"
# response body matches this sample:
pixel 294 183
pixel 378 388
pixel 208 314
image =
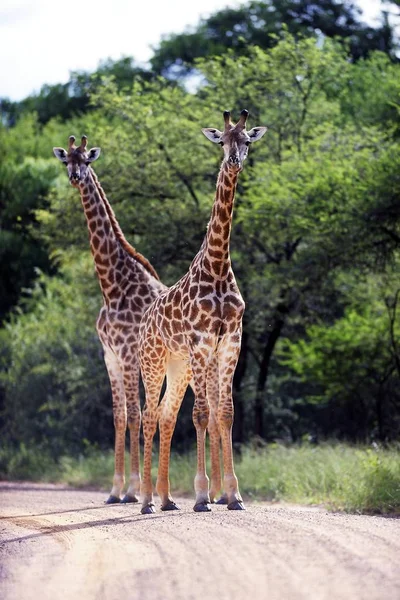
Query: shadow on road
pixel 53 529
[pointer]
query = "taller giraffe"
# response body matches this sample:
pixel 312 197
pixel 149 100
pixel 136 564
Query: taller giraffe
pixel 129 284
pixel 194 330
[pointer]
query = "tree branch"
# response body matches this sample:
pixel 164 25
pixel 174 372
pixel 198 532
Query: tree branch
pixel 180 175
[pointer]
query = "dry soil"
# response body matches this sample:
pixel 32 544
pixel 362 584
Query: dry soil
pixel 61 543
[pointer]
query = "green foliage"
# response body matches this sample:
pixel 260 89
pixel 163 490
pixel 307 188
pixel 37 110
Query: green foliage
pixel 315 242
pixel 355 360
pixel 342 477
pixel 260 24
pixel 372 94
pixel 25 180
pixel 56 388
pixel 27 463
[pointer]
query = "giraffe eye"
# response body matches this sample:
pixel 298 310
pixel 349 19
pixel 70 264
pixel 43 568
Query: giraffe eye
pixel 247 143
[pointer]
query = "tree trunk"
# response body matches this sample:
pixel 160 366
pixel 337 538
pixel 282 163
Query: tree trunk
pixel 379 414
pixel 238 424
pixel 263 375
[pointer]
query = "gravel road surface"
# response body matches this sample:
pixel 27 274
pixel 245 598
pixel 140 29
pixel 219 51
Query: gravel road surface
pixel 58 543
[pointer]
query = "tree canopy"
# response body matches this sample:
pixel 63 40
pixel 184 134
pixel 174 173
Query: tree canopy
pixel 315 241
pixel 260 24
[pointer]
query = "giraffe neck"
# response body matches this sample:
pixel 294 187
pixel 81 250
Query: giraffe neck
pixel 109 247
pixel 215 251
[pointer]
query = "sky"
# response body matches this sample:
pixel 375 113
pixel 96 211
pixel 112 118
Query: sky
pixel 42 41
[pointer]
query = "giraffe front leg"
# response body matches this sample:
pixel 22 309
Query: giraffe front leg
pixel 167 426
pixel 131 382
pixel 120 420
pixel 146 488
pixel 201 414
pixel 153 357
pixel 201 481
pixel 178 377
pixel 213 431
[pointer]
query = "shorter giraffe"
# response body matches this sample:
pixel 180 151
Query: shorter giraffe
pixel 193 330
pixel 129 284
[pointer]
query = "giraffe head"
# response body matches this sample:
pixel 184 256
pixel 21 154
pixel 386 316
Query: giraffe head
pixel 77 159
pixel 235 139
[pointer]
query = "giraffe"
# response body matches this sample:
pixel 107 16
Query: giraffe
pixel 192 333
pixel 129 284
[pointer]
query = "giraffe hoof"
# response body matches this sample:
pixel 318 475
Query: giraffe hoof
pixel 202 507
pixel 222 500
pixel 127 499
pixel 170 506
pixel 236 505
pixel 148 509
pixel 113 500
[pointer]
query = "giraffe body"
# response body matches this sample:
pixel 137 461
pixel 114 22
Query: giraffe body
pixel 129 285
pixel 192 333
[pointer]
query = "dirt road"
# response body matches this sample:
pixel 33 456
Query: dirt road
pixel 60 543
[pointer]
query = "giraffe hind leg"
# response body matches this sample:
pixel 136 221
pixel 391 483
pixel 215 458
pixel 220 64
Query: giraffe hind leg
pixel 131 383
pixel 120 421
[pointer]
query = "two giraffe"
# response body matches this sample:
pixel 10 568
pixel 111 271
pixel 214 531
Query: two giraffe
pixel 129 285
pixel 193 334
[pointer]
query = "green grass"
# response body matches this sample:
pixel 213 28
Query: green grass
pixel 338 476
pixel 341 477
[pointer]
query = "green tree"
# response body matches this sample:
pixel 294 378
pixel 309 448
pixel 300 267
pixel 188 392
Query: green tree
pixel 353 364
pixel 56 387
pixel 260 24
pixel 25 180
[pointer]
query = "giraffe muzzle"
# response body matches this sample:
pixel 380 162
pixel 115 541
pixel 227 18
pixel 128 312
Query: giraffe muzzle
pixel 234 162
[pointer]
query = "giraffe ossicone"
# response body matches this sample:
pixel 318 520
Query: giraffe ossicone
pixel 192 333
pixel 129 284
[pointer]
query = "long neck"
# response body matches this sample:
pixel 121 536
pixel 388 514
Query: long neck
pixel 109 247
pixel 216 258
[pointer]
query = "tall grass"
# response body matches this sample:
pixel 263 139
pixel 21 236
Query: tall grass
pixel 338 476
pixel 354 479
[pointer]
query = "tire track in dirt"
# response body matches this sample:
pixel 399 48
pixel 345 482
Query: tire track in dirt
pixel 43 527
pixel 362 543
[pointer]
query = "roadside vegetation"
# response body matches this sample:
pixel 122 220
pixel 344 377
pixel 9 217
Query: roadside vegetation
pixel 357 479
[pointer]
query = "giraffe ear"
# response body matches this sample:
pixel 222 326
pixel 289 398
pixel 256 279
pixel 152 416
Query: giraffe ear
pixel 93 155
pixel 214 135
pixel 256 133
pixel 61 154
